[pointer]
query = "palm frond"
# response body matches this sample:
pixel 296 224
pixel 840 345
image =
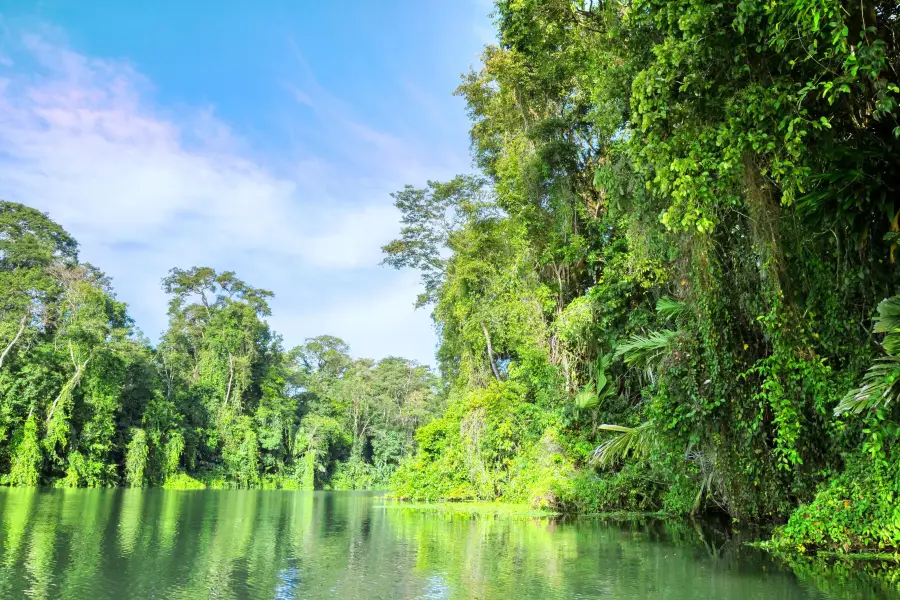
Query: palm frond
pixel 594 393
pixel 586 398
pixel 891 344
pixel 888 319
pixel 671 309
pixel 630 441
pixel 643 350
pixel 880 385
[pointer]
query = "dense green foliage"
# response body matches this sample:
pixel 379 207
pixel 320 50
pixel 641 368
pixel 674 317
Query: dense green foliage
pixel 657 293
pixel 660 289
pixel 86 401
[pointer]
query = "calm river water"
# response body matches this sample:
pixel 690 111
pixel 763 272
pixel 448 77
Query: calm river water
pixel 98 544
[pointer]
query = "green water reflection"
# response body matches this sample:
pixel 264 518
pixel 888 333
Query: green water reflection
pixel 101 544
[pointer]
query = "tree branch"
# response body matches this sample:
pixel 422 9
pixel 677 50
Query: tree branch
pixel 490 351
pixel 230 376
pixel 71 384
pixel 22 324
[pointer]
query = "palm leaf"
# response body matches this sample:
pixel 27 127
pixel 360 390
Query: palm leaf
pixel 631 441
pixel 888 319
pixel 888 322
pixel 671 309
pixel 643 350
pixel 891 344
pixel 586 398
pixel 880 385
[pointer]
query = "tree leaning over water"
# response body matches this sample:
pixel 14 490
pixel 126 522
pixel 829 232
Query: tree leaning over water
pixel 85 400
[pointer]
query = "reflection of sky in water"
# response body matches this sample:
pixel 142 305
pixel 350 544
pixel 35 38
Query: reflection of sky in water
pixel 436 588
pixel 236 545
pixel 288 577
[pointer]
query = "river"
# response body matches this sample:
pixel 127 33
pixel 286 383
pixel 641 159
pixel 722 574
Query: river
pixel 99 544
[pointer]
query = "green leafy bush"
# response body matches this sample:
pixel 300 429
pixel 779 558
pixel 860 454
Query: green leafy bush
pixel 859 509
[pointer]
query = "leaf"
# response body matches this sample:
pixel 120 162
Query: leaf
pixel 880 386
pixel 631 441
pixel 642 350
pixel 586 399
pixel 888 319
pixel 671 309
pixel 602 379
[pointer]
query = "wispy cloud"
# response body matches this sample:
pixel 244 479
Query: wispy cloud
pixel 375 155
pixel 483 29
pixel 145 187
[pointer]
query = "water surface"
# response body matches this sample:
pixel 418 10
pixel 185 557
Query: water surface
pixel 99 544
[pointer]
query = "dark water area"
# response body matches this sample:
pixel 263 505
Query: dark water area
pixel 99 544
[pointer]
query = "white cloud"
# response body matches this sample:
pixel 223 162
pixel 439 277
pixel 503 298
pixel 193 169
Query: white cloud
pixel 145 189
pixel 382 321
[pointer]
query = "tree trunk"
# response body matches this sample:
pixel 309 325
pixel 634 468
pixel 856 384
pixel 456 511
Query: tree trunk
pixel 490 351
pixel 230 377
pixel 9 347
pixel 70 385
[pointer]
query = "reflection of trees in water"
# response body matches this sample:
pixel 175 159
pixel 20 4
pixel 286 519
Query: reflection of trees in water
pixel 132 502
pixel 837 576
pixel 16 507
pixel 265 544
pixel 85 516
pixel 485 557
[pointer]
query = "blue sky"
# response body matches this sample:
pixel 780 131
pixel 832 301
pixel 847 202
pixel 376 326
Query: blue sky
pixel 262 137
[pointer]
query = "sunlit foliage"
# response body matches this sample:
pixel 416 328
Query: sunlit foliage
pixel 85 400
pixel 687 219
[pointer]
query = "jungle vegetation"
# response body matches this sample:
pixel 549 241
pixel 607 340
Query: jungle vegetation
pixel 670 282
pixel 86 400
